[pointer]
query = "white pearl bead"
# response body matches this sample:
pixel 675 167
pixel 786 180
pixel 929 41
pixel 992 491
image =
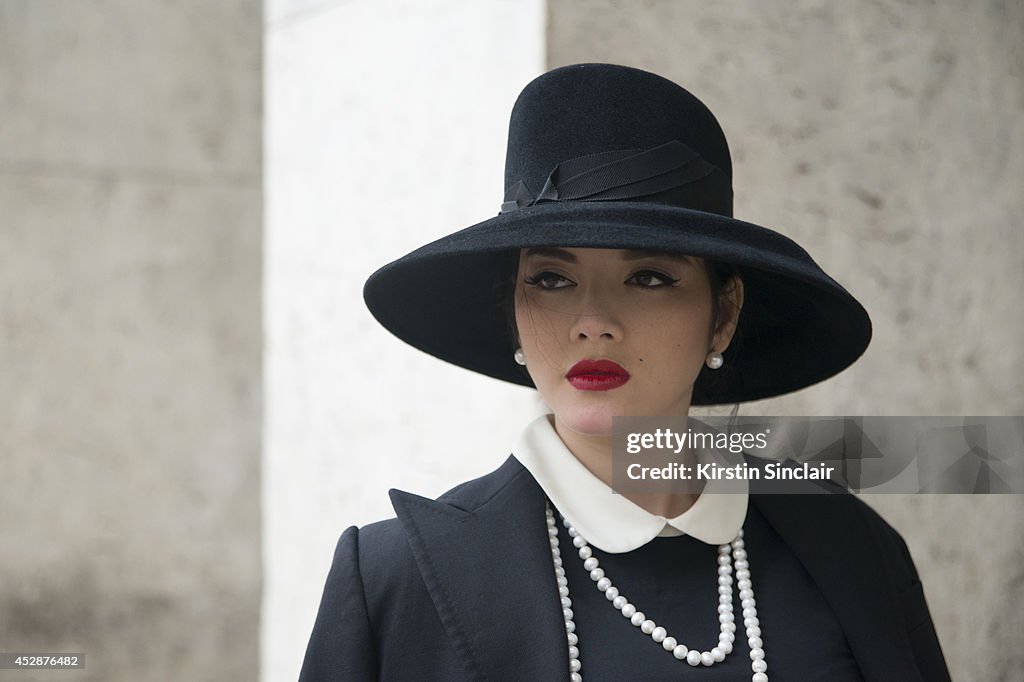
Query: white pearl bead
pixel 647 627
pixel 638 618
pixel 680 651
pixel 669 643
pixel 658 634
pixel 628 610
pixel 603 583
pixel 619 602
pixel 759 677
pixel 759 666
pixel 707 659
pixel 693 657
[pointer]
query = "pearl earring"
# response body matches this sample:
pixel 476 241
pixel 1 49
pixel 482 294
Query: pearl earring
pixel 714 360
pixel 520 358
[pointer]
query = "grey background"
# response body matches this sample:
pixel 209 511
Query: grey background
pixel 130 336
pixel 884 136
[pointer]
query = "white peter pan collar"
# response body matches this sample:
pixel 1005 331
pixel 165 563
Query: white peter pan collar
pixel 611 521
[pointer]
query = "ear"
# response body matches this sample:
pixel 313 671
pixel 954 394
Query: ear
pixel 730 304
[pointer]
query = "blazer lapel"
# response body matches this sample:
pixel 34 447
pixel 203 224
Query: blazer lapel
pixel 853 580
pixel 487 566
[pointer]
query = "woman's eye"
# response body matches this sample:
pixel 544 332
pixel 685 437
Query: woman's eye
pixel 651 279
pixel 548 280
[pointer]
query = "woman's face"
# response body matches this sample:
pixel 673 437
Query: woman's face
pixel 650 313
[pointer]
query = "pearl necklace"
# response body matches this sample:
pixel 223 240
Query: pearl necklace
pixel 726 637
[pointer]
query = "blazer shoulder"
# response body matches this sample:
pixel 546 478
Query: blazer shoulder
pixel 474 494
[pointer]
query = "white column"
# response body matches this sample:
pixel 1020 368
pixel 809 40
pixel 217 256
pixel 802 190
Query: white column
pixel 386 126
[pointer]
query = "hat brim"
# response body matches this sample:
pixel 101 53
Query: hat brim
pixel 798 325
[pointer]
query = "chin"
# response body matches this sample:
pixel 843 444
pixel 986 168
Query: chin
pixel 589 420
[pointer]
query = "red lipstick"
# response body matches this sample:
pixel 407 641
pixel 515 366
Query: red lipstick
pixel 596 375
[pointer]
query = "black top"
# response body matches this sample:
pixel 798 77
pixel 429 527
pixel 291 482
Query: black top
pixel 674 581
pixel 462 588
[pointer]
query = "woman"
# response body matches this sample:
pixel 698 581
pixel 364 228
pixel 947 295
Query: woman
pixel 616 281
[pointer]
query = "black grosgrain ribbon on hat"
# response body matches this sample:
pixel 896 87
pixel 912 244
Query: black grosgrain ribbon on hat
pixel 615 175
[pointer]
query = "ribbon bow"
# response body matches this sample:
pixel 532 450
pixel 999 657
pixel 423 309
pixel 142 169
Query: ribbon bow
pixel 616 175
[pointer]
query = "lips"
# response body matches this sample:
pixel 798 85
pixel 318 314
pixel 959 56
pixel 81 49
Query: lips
pixel 596 375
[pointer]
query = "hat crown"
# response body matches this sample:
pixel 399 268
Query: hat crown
pixel 586 109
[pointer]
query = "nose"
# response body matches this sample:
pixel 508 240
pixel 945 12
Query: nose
pixel 596 320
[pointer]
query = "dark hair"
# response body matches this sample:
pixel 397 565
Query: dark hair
pixel 711 381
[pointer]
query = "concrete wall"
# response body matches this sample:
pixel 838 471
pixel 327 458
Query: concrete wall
pixel 385 126
pixel 885 137
pixel 130 266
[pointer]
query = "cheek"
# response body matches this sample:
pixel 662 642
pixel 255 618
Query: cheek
pixel 540 335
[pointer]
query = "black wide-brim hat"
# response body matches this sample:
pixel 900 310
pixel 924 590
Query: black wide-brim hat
pixel 605 156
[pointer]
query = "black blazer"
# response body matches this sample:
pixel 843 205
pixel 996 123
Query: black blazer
pixel 454 589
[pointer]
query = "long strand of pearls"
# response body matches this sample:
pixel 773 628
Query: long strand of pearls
pixel 728 555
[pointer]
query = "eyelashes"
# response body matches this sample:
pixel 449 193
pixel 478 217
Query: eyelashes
pixel 645 279
pixel 548 280
pixel 653 275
